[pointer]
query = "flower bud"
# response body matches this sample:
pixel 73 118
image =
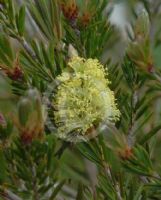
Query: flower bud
pixel 125 153
pixel 139 50
pixel 142 26
pixel 15 73
pixel 85 19
pixel 70 9
pixel 31 116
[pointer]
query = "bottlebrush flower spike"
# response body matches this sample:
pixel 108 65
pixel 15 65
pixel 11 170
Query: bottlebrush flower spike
pixel 83 100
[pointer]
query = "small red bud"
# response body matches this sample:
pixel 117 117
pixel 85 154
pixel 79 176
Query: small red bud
pixel 26 138
pixel 150 68
pixel 126 153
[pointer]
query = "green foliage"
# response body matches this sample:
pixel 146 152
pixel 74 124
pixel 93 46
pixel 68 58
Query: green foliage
pixel 6 50
pixel 122 162
pixel 20 20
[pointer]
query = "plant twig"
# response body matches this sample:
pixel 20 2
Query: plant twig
pixel 116 186
pixel 8 195
pixel 25 45
pixel 109 175
pixel 134 100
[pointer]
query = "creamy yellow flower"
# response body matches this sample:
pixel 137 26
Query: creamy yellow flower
pixel 83 100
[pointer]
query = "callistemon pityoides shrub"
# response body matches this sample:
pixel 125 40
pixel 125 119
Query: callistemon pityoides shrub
pixel 83 101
